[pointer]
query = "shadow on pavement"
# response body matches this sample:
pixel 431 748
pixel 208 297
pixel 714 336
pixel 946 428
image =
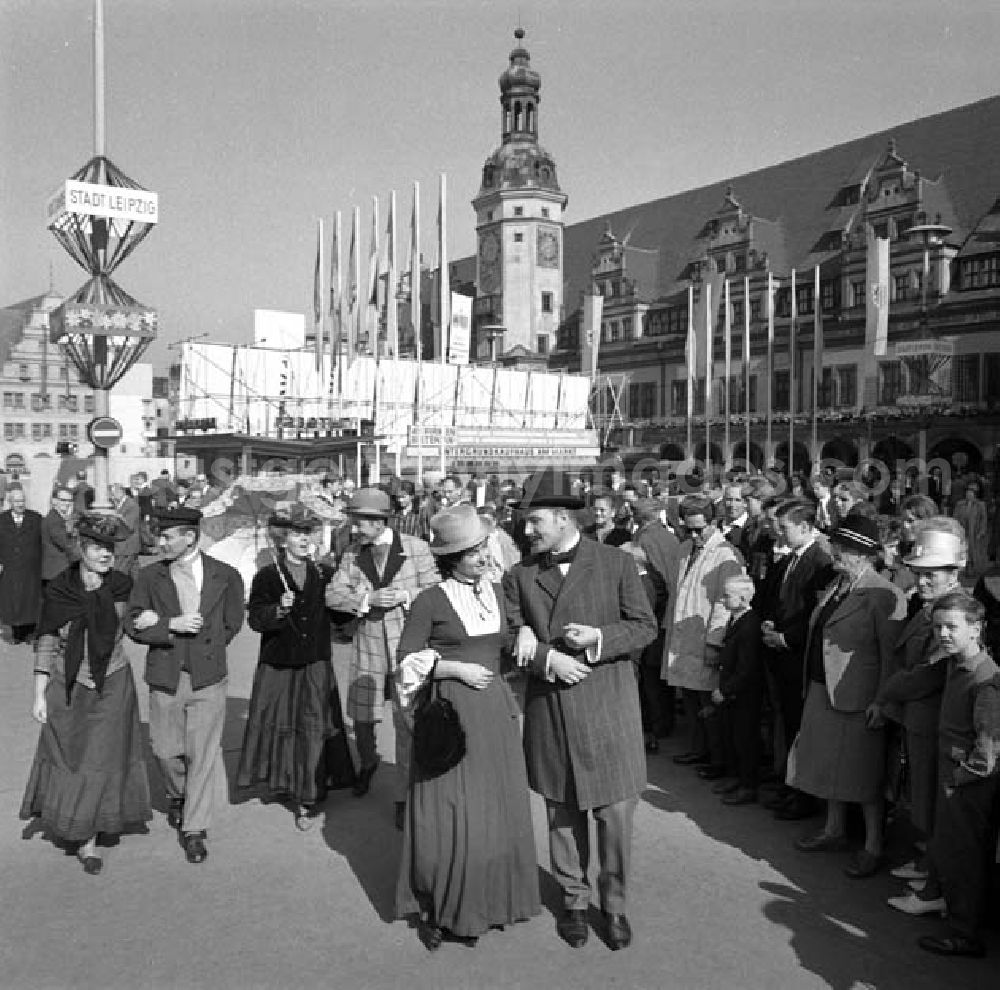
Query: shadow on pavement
pixel 819 905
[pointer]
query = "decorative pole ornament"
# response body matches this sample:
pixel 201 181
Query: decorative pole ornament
pixel 99 216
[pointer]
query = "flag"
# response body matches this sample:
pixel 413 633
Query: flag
pixel 374 274
pixel 593 308
pixel 335 292
pixel 391 315
pixel 444 283
pixel 791 379
pixel 817 337
pixel 318 296
pixel 770 355
pixel 354 282
pixel 691 356
pixel 460 329
pixel 415 313
pixel 728 352
pixel 877 302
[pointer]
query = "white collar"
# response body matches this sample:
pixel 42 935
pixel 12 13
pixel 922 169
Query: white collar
pixel 384 539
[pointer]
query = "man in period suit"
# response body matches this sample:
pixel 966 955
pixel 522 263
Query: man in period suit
pixel 127 509
pixel 580 613
pixel 186 607
pixel 377 580
pixel 58 546
pixel 807 571
pixel 20 566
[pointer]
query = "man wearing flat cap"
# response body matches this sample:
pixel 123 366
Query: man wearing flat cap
pixel 186 607
pixel 378 578
pixel 579 612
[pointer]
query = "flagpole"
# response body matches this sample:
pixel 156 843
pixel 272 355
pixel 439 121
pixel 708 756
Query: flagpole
pixel 746 367
pixel 791 383
pixel 372 307
pixel 337 310
pixel 726 452
pixel 708 379
pixel 415 319
pixel 817 361
pixel 691 347
pixel 768 456
pixel 444 287
pixel 391 316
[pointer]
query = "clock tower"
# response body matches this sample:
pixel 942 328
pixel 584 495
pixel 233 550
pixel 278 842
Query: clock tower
pixel 519 225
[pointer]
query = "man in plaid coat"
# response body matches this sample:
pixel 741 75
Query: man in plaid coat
pixel 377 580
pixel 578 609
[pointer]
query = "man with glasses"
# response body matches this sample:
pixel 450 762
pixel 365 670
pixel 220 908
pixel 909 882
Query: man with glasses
pixel 58 546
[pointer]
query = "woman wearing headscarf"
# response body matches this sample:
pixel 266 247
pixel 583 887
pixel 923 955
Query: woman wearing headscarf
pixel 294 747
pixel 839 753
pixel 88 777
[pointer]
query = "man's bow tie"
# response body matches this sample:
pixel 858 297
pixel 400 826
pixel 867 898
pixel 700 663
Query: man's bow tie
pixel 554 558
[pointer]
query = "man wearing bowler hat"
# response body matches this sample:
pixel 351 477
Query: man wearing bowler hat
pixel 186 607
pixel 579 612
pixel 378 578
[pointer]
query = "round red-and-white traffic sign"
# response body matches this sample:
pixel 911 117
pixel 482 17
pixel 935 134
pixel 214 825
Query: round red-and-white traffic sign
pixel 105 432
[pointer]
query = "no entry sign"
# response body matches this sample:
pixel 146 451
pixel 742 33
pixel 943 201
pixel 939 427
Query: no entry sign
pixel 105 432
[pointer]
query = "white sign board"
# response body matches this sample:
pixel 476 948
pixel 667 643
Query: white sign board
pixel 113 202
pixel 460 330
pixel 273 328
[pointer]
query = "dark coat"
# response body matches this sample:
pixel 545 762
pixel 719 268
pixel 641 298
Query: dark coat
pixel 130 514
pixel 583 743
pixel 802 584
pixel 740 668
pixel 300 636
pixel 21 560
pixel 58 546
pixel 221 609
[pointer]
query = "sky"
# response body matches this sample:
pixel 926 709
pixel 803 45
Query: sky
pixel 253 118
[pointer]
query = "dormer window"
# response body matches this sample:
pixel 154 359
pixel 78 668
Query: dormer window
pixel 519 211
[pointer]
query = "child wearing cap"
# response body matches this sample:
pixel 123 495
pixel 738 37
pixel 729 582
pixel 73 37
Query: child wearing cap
pixel 738 696
pixel 968 752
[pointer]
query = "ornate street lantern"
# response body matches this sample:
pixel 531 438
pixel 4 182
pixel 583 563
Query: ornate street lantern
pixel 100 216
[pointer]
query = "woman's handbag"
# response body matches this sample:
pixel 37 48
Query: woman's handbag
pixel 438 736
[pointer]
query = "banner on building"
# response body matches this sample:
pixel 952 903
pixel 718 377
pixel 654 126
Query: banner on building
pixel 460 329
pixel 593 310
pixel 877 299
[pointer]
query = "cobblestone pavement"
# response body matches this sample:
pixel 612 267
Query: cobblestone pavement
pixel 720 899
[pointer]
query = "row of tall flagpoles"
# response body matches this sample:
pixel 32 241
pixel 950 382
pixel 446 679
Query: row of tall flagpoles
pixel 347 318
pixel 700 361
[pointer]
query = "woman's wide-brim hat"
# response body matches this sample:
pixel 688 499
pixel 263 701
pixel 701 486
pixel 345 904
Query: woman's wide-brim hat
pixel 456 529
pixel 105 531
pixel 549 488
pixel 295 517
pixel 859 534
pixel 370 503
pixel 933 548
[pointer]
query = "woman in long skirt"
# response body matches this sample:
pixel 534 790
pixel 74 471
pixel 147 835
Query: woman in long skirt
pixel 468 847
pixel 88 777
pixel 294 747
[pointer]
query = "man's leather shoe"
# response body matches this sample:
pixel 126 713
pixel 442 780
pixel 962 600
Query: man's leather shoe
pixel 725 787
pixel 619 932
pixel 194 847
pixel 175 812
pixel 912 904
pixel 864 864
pixel 400 813
pixel 365 775
pixel 742 795
pixel 690 759
pixel 572 927
pixel 712 772
pixel 821 842
pixel 952 945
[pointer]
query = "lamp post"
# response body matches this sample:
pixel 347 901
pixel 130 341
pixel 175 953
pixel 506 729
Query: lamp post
pixel 99 216
pixel 929 234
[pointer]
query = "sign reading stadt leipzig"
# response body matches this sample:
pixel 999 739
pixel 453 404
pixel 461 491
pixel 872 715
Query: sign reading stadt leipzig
pixel 113 202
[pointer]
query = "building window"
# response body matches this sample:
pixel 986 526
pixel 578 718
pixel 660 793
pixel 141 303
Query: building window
pixel 36 431
pixel 991 376
pixel 737 313
pixel 890 382
pixel 518 238
pixel 804 299
pixel 858 295
pixel 965 377
pixel 74 431
pixel 546 302
pixel 542 343
pixel 545 212
pixel 642 400
pixel 829 295
pixel 980 273
pixel 781 391
pixel 47 431
pixel 847 381
pixel 678 398
pixel 88 403
pixel 755 309
pixel 613 330
pixel 519 211
pixel 8 431
pixel 8 400
pixel 24 373
pixel 627 328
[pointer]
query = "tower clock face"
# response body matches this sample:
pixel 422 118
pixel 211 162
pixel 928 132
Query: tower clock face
pixel 548 248
pixel 489 261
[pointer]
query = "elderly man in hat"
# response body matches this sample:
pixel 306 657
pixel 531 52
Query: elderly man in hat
pixel 186 607
pixel 580 613
pixel 377 579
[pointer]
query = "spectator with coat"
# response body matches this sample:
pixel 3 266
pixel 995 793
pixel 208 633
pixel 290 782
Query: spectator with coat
pixel 59 546
pixel 20 566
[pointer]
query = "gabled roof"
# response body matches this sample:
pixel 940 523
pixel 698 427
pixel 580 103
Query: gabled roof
pixel 12 321
pixel 799 197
